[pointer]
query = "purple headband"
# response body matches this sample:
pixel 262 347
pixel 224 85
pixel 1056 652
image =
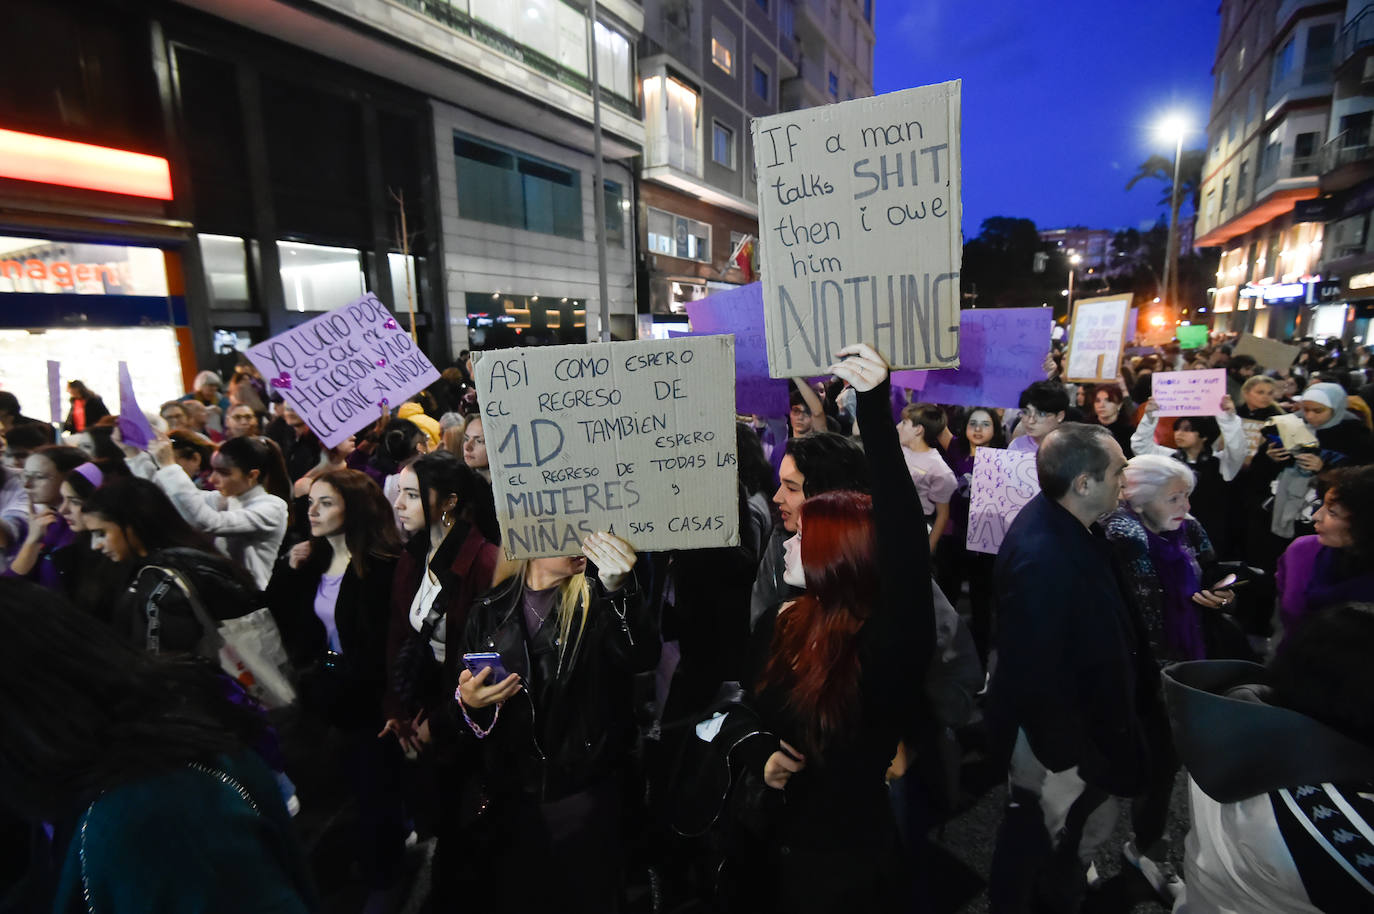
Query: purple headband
pixel 91 473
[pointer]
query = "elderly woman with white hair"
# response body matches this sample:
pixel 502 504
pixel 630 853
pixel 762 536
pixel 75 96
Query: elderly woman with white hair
pixel 1163 552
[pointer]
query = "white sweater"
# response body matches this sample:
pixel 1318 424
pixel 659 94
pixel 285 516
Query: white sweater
pixel 248 528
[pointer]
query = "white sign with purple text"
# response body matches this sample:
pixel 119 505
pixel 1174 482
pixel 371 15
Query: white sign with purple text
pixel 1188 393
pixel 1003 482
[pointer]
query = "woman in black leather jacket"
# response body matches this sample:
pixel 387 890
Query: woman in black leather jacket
pixel 556 733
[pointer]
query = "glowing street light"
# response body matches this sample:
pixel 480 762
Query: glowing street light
pixel 1173 127
pixel 1074 261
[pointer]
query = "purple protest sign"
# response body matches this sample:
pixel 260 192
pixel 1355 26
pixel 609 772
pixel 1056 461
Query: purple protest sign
pixel 1003 482
pixel 55 391
pixel 340 370
pixel 134 428
pixel 1001 351
pixel 740 312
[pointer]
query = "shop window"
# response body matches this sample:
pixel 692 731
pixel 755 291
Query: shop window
pixel 64 267
pixel 722 48
pixel 616 208
pixel 722 144
pixel 760 82
pixel 498 320
pixel 503 187
pixel 319 278
pixel 224 260
pixel 678 236
pixel 402 268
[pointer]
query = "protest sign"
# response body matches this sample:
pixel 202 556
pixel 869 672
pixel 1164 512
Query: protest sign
pixel 1271 354
pixel 134 428
pixel 1001 351
pixel 1191 336
pixel 1097 335
pixel 342 369
pixel 740 312
pixel 55 391
pixel 635 438
pixel 859 230
pixel 1253 435
pixel 1188 393
pixel 1294 433
pixel 1003 481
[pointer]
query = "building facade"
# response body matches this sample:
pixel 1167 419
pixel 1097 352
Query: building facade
pixel 707 69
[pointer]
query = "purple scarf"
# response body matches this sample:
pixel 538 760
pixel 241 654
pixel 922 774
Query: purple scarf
pixel 1177 571
pixel 1332 583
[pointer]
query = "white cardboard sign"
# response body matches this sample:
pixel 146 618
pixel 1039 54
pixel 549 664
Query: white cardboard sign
pixel 1003 482
pixel 1097 336
pixel 1188 393
pixel 859 229
pixel 635 438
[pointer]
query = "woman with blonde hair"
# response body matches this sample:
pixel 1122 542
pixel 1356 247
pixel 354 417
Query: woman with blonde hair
pixel 550 711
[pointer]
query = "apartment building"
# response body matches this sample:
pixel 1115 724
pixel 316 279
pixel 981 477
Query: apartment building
pixel 706 68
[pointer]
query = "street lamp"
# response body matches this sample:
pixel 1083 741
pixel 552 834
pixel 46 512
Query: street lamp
pixel 1173 127
pixel 1074 261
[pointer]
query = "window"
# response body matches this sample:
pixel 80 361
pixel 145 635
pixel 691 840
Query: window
pixel 1283 64
pixel 868 11
pixel 616 207
pixel 1225 192
pixel 760 82
pixel 1304 153
pixel 762 4
pixel 678 236
pixel 614 63
pixel 1354 129
pixel 1316 63
pixel 1242 181
pixel 503 187
pixel 834 85
pixel 787 19
pixel 1233 127
pixel 722 144
pixel 558 31
pixel 670 121
pixel 1250 108
pixel 316 278
pixel 722 48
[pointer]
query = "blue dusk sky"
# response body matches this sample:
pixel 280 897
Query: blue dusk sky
pixel 1059 98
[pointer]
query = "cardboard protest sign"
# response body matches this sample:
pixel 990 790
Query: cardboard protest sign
pixel 55 391
pixel 134 428
pixel 342 369
pixel 635 438
pixel 1293 432
pixel 1001 351
pixel 1271 354
pixel 1253 435
pixel 1097 335
pixel 1191 336
pixel 1188 393
pixel 1003 482
pixel 740 312
pixel 859 230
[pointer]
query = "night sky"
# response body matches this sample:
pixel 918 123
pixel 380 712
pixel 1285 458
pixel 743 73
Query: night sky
pixel 1059 98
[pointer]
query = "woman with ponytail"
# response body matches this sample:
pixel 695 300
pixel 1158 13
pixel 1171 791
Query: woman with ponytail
pixel 250 509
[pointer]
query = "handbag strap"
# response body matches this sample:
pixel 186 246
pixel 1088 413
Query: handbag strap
pixel 211 639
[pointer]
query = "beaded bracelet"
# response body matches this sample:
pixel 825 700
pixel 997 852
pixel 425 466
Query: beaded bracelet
pixel 472 724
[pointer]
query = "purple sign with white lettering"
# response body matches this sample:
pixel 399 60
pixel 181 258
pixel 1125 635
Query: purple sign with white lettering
pixel 340 371
pixel 740 312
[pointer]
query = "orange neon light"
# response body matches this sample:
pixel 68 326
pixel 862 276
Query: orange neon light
pixel 46 160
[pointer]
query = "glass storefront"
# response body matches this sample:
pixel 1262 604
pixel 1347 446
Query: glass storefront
pixel 498 320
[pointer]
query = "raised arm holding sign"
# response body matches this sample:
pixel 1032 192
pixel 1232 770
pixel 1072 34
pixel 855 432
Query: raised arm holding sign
pixel 859 217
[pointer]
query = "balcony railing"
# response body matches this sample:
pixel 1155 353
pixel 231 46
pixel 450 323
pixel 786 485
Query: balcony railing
pixel 1345 149
pixel 1358 33
pixel 458 19
pixel 1305 167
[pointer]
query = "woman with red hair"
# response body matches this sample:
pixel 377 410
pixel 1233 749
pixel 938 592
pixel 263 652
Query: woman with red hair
pixel 842 683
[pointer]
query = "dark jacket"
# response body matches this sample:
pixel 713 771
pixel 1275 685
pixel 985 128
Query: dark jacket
pixel 464 565
pixel 346 689
pixel 95 411
pixel 155 612
pixel 1074 669
pixel 568 729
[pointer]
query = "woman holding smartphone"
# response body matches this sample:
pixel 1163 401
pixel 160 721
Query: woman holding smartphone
pixel 329 597
pixel 555 732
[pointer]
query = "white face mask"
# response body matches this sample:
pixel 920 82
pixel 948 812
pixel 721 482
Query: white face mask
pixel 792 564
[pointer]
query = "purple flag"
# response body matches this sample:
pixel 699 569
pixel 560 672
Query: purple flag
pixel 1001 351
pixel 740 312
pixel 134 428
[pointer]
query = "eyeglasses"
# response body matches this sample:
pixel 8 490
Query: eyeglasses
pixel 1033 414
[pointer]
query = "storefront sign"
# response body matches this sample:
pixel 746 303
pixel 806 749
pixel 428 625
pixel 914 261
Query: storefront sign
pixel 859 215
pixel 1003 482
pixel 634 438
pixel 47 160
pixel 1360 281
pixel 342 369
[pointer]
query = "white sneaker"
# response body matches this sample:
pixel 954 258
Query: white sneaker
pixel 1166 884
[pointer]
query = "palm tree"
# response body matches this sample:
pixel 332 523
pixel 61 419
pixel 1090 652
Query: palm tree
pixel 1161 168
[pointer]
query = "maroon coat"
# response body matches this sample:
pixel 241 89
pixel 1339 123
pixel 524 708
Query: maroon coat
pixel 464 565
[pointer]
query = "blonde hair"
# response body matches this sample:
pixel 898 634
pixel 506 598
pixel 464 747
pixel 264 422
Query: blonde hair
pixel 574 600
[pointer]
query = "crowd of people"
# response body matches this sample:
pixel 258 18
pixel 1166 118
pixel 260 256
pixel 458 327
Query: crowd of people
pixel 772 726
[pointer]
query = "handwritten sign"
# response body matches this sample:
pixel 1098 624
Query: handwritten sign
pixel 740 312
pixel 1001 351
pixel 1294 433
pixel 1253 435
pixel 1003 482
pixel 859 230
pixel 1189 393
pixel 1270 354
pixel 1096 338
pixel 635 438
pixel 339 370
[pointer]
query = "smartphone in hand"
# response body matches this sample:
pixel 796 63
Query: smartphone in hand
pixel 477 662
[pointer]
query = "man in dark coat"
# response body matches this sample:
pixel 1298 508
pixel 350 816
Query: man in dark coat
pixel 1065 700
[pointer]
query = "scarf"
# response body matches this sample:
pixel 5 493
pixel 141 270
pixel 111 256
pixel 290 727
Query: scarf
pixel 1334 582
pixel 1332 396
pixel 1177 571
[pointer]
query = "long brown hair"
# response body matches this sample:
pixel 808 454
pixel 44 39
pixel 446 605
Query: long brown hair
pixel 369 524
pixel 815 655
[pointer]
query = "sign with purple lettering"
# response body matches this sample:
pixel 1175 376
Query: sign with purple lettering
pixel 859 230
pixel 1003 482
pixel 634 438
pixel 1001 351
pixel 740 312
pixel 1188 393
pixel 341 370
